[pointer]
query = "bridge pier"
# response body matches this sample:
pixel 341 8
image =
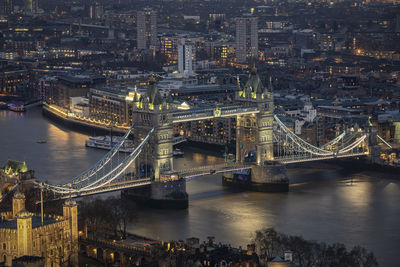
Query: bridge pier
pixel 268 178
pixel 163 195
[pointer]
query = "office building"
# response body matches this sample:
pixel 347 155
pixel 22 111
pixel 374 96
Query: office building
pixel 246 38
pixel 146 22
pixel 186 57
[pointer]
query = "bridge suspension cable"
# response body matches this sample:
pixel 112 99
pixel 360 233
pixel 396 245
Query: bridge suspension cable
pixel 102 162
pixel 300 148
pixel 95 181
pixel 383 140
pixel 335 140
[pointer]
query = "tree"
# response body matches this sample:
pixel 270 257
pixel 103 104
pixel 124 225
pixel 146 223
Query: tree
pixel 267 242
pixel 123 213
pixel 270 244
pixel 363 258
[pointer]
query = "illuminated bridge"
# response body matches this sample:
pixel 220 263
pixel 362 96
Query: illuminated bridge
pixel 259 133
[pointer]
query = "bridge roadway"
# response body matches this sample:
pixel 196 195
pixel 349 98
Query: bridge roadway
pixel 293 159
pixel 209 113
pixel 114 186
pixel 191 173
pixel 184 174
pixel 211 169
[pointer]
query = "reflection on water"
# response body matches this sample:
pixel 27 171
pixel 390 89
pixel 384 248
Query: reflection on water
pixel 61 158
pixel 325 202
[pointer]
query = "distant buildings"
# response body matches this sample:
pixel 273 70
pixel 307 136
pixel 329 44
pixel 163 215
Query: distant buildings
pixel 6 7
pixel 146 22
pixel 18 84
pixel 246 38
pixel 32 6
pixel 96 11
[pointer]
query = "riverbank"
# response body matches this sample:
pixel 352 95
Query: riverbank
pixel 78 125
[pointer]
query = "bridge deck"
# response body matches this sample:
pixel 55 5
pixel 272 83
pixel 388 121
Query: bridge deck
pixel 115 186
pixel 211 169
pixel 204 114
pixel 294 159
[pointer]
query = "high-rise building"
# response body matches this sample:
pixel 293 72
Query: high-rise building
pixel 6 7
pixel 96 11
pixel 186 56
pixel 146 22
pixel 246 38
pixel 32 6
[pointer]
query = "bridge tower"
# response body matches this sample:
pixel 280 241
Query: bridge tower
pixel 254 138
pixel 254 132
pixel 151 110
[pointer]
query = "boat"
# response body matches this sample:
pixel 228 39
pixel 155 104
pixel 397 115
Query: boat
pixel 177 153
pixel 41 141
pixel 16 107
pixel 3 105
pixel 108 142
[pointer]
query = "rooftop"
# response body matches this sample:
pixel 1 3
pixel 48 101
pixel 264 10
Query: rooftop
pixel 36 222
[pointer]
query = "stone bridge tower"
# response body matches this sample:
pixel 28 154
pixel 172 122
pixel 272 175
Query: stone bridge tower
pixel 254 132
pixel 151 110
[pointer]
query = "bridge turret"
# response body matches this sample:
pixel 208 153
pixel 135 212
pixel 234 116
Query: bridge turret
pixel 153 110
pixel 254 131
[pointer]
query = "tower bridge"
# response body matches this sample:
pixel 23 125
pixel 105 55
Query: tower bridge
pixel 260 136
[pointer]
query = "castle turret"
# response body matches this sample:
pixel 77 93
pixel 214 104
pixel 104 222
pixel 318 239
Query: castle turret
pixel 24 233
pixel 70 212
pixel 18 203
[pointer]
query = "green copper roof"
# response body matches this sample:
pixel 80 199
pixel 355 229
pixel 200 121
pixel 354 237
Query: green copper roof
pixel 153 94
pixel 15 167
pixel 254 83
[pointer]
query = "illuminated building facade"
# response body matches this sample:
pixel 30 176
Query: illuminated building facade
pixel 17 84
pixel 32 6
pixel 169 48
pixel 25 234
pixel 109 104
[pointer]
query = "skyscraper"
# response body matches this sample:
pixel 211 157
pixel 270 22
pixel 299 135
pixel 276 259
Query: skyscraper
pixel 246 38
pixel 32 6
pixel 6 7
pixel 186 55
pixel 146 22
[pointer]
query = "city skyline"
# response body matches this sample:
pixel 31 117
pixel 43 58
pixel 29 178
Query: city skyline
pixel 133 130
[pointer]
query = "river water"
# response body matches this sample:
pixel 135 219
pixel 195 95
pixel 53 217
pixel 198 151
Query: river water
pixel 325 202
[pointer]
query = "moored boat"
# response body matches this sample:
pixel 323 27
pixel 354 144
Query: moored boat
pixel 178 153
pixel 3 105
pixel 108 142
pixel 16 107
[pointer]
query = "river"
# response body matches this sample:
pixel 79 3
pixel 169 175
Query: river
pixel 325 202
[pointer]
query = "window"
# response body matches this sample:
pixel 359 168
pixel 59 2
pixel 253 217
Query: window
pixel 4 246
